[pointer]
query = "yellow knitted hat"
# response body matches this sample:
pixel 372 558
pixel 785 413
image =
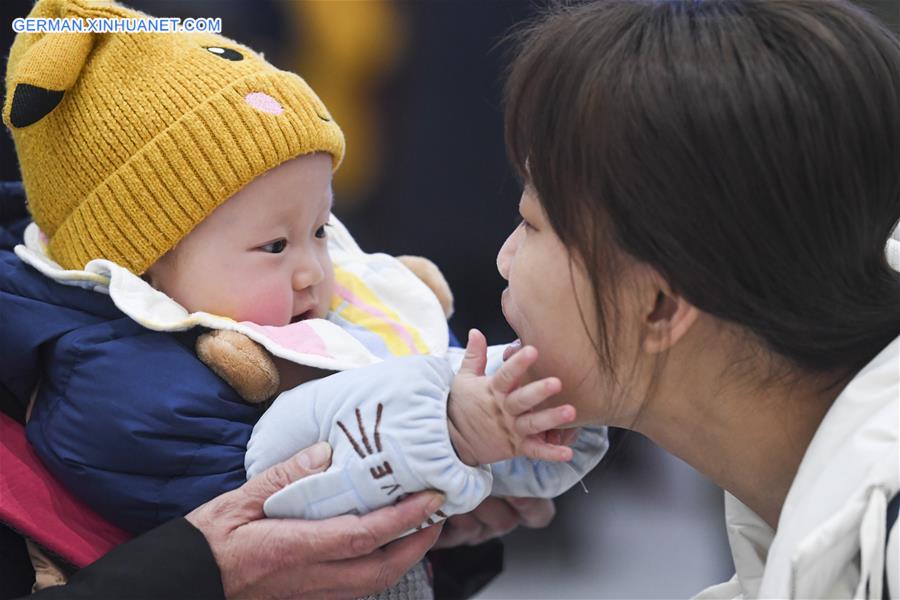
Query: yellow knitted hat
pixel 126 141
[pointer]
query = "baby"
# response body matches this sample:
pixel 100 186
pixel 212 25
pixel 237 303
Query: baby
pixel 262 257
pixel 187 163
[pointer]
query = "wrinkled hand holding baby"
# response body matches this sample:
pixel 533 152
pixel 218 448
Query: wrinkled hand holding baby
pixel 493 417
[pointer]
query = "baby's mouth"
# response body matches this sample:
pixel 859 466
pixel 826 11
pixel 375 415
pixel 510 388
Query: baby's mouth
pixel 302 316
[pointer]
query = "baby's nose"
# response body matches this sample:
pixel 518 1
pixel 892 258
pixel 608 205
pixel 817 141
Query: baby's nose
pixel 307 275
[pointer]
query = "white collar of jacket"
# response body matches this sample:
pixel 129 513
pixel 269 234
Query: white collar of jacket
pixel 830 540
pixel 380 309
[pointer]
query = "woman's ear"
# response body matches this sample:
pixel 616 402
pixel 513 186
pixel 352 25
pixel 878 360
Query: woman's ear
pixel 667 315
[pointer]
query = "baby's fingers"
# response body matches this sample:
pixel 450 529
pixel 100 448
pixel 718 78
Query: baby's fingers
pixel 508 375
pixel 536 449
pixel 528 396
pixel 543 420
pixel 475 357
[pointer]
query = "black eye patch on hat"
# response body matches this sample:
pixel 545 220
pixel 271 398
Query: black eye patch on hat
pixel 226 53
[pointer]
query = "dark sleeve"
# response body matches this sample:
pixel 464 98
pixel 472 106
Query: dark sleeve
pixel 171 561
pixel 132 423
pixel 16 572
pixel 463 571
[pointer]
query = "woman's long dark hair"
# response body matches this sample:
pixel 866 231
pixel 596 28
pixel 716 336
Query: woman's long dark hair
pixel 749 150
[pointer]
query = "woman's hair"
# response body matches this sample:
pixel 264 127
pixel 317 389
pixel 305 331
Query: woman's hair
pixel 748 150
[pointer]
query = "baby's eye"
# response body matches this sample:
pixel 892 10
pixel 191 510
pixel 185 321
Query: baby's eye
pixel 276 247
pixel 321 233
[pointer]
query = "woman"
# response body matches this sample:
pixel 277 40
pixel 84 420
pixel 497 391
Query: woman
pixel 709 191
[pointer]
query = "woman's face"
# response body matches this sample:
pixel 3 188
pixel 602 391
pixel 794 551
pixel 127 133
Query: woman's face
pixel 550 306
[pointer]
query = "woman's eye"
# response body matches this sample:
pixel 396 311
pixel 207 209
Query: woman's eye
pixel 276 247
pixel 526 225
pixel 321 233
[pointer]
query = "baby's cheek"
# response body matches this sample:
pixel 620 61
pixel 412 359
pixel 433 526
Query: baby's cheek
pixel 264 307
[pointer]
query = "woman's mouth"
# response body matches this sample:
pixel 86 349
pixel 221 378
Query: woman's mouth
pixel 517 344
pixel 512 349
pixel 504 298
pixel 505 309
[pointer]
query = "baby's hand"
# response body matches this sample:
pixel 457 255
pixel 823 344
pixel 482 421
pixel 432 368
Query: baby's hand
pixel 491 417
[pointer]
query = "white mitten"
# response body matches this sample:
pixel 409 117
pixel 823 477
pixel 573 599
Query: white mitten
pixel 387 426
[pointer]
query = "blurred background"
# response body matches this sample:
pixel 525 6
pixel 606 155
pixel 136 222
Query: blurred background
pixel 416 87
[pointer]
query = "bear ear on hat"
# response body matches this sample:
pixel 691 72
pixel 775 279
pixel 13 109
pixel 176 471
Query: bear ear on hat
pixel 31 103
pixel 37 81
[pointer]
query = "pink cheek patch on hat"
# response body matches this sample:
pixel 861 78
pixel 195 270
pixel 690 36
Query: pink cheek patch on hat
pixel 264 103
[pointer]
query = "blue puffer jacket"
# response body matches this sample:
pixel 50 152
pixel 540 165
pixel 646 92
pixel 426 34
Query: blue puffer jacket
pixel 128 419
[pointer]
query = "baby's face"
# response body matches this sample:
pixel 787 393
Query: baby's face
pixel 262 255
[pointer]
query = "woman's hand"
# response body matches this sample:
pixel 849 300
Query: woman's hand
pixel 339 557
pixel 495 517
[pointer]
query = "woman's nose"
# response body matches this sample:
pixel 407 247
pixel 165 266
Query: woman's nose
pixel 507 250
pixel 308 273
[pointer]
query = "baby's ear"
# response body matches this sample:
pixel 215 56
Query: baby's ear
pixel 38 76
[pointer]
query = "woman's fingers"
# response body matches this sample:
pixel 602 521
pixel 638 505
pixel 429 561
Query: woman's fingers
pixel 313 459
pixel 251 496
pixel 347 556
pixel 382 569
pixel 459 529
pixel 407 551
pixel 534 512
pixel 528 396
pixel 351 536
pixel 496 516
pixel 510 373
